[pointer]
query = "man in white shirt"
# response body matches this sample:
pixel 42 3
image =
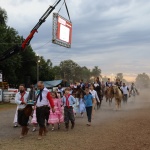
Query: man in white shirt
pixel 43 101
pixel 125 91
pixel 21 99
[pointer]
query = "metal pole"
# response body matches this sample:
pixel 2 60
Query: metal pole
pixel 37 71
pixel 38 61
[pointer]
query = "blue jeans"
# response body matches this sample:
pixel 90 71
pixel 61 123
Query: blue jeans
pixel 89 113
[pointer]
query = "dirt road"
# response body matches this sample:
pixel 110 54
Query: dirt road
pixel 127 129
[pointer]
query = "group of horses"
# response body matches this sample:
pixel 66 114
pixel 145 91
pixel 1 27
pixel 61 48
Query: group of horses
pixel 109 94
pixel 114 92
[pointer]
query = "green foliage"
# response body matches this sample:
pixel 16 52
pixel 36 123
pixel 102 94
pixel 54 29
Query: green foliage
pixel 57 72
pixel 3 17
pixel 86 73
pixel 71 71
pixel 68 70
pixel 96 71
pixel 45 70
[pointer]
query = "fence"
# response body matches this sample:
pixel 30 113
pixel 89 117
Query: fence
pixel 9 95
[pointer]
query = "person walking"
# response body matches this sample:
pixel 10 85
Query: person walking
pixel 43 101
pixel 32 97
pixel 97 88
pixel 88 98
pixel 21 99
pixel 68 102
pixel 95 99
pixel 57 117
pixel 81 104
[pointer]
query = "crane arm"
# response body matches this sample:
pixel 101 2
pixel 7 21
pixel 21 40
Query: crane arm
pixel 18 48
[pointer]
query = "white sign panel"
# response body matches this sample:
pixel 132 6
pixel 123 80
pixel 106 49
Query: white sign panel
pixel 64 33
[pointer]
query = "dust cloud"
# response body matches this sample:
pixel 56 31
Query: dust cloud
pixel 109 113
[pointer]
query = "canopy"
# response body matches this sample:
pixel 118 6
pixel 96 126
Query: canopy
pixel 51 83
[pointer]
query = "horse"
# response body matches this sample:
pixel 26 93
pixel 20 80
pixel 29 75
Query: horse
pixel 109 94
pixel 77 91
pixel 118 97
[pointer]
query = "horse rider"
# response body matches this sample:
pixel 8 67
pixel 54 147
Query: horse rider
pixel 118 83
pixel 108 83
pixel 82 84
pixel 134 89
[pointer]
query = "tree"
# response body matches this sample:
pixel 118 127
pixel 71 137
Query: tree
pixel 96 71
pixel 143 80
pixel 57 72
pixel 49 63
pixel 85 73
pixel 3 16
pixel 8 38
pixel 69 70
pixel 46 71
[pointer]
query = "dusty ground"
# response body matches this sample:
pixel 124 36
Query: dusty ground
pixel 127 129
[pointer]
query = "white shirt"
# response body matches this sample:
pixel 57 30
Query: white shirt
pixel 44 100
pixel 96 84
pixel 18 100
pixel 61 91
pixel 94 94
pixel 125 89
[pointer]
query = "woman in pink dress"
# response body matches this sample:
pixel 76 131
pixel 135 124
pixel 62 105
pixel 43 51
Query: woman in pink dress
pixel 62 107
pixel 57 116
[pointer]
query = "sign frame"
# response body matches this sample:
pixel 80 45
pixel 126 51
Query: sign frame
pixel 62 31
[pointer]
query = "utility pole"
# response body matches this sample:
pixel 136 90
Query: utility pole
pixel 38 62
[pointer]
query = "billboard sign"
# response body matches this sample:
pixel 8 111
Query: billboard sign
pixel 62 31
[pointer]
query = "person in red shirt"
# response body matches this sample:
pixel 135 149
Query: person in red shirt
pixel 43 101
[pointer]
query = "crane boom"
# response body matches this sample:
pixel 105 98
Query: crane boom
pixel 18 48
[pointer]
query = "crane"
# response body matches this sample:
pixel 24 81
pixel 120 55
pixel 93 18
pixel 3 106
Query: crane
pixel 19 48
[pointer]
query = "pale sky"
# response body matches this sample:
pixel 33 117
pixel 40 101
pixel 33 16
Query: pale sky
pixel 111 34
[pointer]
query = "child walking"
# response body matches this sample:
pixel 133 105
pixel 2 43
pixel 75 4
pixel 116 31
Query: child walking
pixel 81 105
pixel 57 116
pixel 76 105
pixel 34 120
pixel 88 104
pixel 68 101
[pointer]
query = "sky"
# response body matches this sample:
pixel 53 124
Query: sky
pixel 111 34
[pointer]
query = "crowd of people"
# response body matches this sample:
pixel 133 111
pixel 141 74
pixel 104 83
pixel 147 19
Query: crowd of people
pixel 61 106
